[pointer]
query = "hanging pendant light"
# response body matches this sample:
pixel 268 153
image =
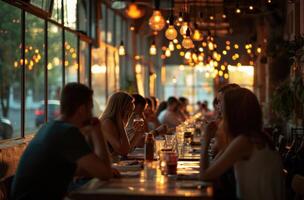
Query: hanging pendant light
pixel 121 49
pixel 167 53
pixel 133 11
pixel 197 35
pixel 171 46
pixel 153 49
pixel 157 21
pixel 171 33
pixel 187 42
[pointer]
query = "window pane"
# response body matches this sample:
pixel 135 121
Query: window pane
pixel 54 69
pixel 56 12
pixel 83 15
pixel 84 66
pixel 71 64
pixel 34 69
pixel 103 22
pixel 111 24
pixel 99 78
pixel 43 4
pixel 70 13
pixel 10 71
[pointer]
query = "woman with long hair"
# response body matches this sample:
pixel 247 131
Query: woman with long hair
pixel 113 122
pixel 257 167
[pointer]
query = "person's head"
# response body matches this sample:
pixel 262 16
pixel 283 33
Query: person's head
pixel 140 103
pixel 119 108
pixel 162 106
pixel 242 113
pixel 154 102
pixel 219 97
pixel 149 108
pixel 76 99
pixel 172 103
pixel 184 101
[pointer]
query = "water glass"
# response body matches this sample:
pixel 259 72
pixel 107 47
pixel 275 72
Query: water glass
pixel 159 145
pixel 168 162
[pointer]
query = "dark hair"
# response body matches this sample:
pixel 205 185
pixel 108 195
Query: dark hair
pixel 149 102
pixel 154 101
pixel 183 100
pixel 73 96
pixel 242 112
pixel 162 106
pixel 228 86
pixel 172 100
pixel 139 100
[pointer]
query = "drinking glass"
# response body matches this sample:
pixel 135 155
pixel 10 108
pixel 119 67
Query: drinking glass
pixel 168 162
pixel 159 145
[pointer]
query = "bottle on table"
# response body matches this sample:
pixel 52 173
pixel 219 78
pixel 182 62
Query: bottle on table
pixel 149 147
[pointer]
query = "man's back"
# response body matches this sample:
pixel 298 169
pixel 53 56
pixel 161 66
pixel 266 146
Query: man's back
pixel 48 163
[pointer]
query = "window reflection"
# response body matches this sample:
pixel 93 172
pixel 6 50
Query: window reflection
pixel 99 78
pixel 34 69
pixel 71 64
pixel 10 71
pixel 54 70
pixel 43 4
pixel 56 11
pixel 70 13
pixel 83 58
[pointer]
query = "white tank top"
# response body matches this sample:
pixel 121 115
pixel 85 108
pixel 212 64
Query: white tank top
pixel 260 177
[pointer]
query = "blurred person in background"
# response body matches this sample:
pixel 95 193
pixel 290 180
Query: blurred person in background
pixel 169 116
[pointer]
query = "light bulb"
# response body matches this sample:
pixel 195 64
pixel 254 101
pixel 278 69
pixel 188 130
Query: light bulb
pixel 171 46
pixel 156 21
pixel 183 28
pixel 121 49
pixel 133 11
pixel 187 43
pixel 259 50
pixel 171 33
pixel 175 41
pixel 238 10
pixel 210 46
pixel 167 53
pixel 197 35
pixel 187 55
pixel 153 49
pixel 250 7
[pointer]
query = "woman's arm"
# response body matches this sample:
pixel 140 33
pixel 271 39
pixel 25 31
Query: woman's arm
pixel 239 149
pixel 119 142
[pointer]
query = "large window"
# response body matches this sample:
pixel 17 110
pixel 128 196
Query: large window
pixel 71 64
pixel 189 82
pixel 10 71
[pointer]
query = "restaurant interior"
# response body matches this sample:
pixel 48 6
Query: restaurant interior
pixel 160 49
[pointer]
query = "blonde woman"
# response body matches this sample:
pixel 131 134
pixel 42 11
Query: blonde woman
pixel 113 122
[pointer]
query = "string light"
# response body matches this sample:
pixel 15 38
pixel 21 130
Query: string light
pixel 184 28
pixel 153 49
pixel 259 50
pixel 121 49
pixel 167 53
pixel 175 41
pixel 171 33
pixel 250 7
pixel 187 42
pixel 171 46
pixel 157 21
pixel 133 11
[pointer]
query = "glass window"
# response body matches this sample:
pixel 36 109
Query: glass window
pixel 99 78
pixel 34 68
pixel 54 70
pixel 242 75
pixel 43 4
pixel 111 25
pixel 71 64
pixel 103 22
pixel 84 65
pixel 112 69
pixel 10 71
pixel 70 8
pixel 189 82
pixel 118 31
pixel 56 12
pixel 83 15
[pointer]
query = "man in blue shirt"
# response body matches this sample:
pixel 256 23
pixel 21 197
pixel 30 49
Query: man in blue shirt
pixel 48 164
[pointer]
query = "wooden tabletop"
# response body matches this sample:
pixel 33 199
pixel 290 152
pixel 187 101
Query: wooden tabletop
pixel 148 183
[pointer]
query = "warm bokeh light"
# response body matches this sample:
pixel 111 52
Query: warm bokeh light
pixel 121 49
pixel 175 41
pixel 197 35
pixel 184 28
pixel 153 49
pixel 133 11
pixel 171 46
pixel 157 21
pixel 171 33
pixel 178 46
pixel 182 53
pixel 167 53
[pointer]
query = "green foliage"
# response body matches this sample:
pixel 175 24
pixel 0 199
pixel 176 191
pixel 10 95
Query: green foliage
pixel 283 100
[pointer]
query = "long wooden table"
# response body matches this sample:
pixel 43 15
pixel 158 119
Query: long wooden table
pixel 149 184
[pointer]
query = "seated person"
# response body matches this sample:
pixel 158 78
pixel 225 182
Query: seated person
pixel 114 120
pixel 258 169
pixel 138 118
pixel 162 106
pixel 50 160
pixel 150 115
pixel 169 116
pixel 185 102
